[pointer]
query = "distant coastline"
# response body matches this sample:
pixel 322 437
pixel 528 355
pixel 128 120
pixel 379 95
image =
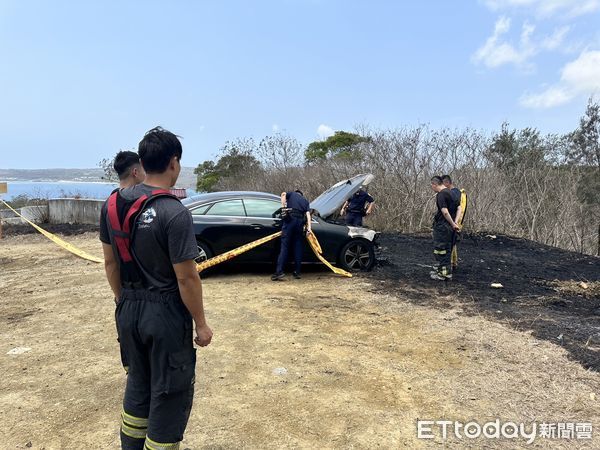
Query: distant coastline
pixel 57 183
pixel 187 178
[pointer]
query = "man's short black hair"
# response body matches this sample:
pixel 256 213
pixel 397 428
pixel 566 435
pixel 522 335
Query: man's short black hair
pixel 299 192
pixel 123 163
pixel 436 180
pixel 157 148
pixel 447 178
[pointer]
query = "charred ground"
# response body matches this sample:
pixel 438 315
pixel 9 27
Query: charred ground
pixel 553 293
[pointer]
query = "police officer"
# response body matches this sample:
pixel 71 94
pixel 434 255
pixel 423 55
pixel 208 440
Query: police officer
pixel 357 206
pixel 149 250
pixel 295 214
pixel 444 228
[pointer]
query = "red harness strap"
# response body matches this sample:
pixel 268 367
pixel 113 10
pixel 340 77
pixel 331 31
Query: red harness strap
pixel 122 232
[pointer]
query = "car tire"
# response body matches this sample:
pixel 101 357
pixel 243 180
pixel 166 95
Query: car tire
pixel 357 255
pixel 205 252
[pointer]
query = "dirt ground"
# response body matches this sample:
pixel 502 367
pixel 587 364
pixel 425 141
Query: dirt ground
pixel 322 362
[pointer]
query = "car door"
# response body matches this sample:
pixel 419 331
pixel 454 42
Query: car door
pixel 223 225
pixel 261 222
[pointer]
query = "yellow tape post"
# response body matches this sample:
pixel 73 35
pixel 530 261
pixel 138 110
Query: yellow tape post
pixel 69 247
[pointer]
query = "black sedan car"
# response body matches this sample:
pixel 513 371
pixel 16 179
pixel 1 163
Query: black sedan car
pixel 224 221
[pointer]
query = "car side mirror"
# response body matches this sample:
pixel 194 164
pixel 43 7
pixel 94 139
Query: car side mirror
pixel 277 214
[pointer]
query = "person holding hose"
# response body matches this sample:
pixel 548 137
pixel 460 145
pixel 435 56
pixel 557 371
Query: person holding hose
pixel 444 229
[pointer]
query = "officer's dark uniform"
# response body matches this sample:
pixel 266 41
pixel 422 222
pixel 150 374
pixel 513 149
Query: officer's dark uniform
pixel 293 231
pixel 443 234
pixel 154 326
pixel 356 208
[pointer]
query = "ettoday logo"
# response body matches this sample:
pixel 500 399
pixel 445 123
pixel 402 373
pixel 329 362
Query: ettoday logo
pixel 448 429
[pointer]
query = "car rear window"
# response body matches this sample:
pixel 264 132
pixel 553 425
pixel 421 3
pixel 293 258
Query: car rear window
pixel 227 208
pixel 199 210
pixel 256 207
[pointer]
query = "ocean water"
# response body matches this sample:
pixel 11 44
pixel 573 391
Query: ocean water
pixel 61 189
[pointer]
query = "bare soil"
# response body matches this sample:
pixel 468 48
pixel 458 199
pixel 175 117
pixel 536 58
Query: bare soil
pixel 322 362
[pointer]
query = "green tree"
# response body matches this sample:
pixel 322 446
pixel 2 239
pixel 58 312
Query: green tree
pixel 510 148
pixel 584 150
pixel 236 160
pixel 341 145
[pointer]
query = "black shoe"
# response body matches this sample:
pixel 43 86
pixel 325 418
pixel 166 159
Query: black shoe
pixel 297 275
pixel 277 277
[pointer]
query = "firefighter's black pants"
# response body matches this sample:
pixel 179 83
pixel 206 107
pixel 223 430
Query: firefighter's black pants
pixel 155 334
pixel 443 239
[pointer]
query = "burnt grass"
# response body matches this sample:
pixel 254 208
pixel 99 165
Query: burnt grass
pixel 528 301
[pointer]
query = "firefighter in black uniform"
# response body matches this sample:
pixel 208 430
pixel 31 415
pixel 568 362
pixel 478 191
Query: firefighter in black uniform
pixel 444 228
pixel 149 249
pixel 295 215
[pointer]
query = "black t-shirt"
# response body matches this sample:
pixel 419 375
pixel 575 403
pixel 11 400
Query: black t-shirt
pixel 164 235
pixel 444 199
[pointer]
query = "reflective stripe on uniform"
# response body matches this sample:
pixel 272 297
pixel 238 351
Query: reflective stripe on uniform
pixel 440 252
pixel 134 427
pixel 134 421
pixel 153 445
pixel 133 432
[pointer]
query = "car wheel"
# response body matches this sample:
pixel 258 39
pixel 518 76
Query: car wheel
pixel 204 251
pixel 357 254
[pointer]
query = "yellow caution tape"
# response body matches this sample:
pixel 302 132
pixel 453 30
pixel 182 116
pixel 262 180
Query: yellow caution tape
pixel 223 257
pixel 316 248
pixel 69 247
pixel 235 252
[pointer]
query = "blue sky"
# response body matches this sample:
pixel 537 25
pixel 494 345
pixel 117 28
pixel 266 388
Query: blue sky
pixel 82 79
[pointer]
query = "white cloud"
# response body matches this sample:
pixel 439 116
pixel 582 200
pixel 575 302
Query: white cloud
pixel 324 131
pixel 275 128
pixel 555 40
pixel 546 8
pixel 578 77
pixel 497 51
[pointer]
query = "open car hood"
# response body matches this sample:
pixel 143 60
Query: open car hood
pixel 333 198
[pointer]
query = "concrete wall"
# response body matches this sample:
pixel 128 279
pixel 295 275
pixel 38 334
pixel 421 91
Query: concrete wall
pixel 73 210
pixel 7 214
pixel 36 214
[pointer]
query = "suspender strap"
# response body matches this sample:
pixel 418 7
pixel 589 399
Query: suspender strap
pixel 120 237
pixel 122 232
